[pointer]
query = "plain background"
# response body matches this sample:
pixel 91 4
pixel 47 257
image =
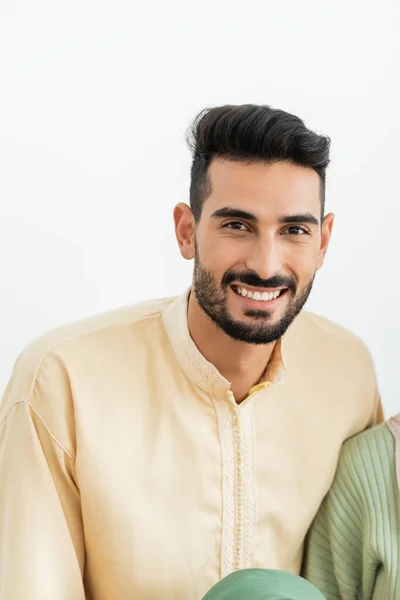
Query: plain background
pixel 95 99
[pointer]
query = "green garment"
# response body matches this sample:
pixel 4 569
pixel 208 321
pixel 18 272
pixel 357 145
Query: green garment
pixel 263 584
pixel 353 549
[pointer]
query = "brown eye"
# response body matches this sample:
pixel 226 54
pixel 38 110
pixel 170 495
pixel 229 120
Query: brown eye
pixel 296 230
pixel 236 225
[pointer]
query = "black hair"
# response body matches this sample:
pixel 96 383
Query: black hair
pixel 250 133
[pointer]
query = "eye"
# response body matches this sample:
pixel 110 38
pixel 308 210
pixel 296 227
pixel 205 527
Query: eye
pixel 296 230
pixel 237 225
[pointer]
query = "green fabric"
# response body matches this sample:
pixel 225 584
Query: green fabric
pixel 263 584
pixel 353 549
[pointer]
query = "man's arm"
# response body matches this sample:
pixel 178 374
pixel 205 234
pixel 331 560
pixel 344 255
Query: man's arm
pixel 380 417
pixel 41 533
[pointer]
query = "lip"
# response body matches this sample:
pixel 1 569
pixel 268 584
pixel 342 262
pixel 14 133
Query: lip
pixel 259 304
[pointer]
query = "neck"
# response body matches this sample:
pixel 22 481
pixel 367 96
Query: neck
pixel 240 363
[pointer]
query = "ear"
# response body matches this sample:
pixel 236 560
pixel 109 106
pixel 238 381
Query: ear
pixel 326 232
pixel 185 229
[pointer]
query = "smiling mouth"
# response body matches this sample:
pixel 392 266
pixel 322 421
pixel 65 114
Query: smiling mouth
pixel 258 295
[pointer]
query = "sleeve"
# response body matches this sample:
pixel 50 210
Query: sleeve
pixel 366 392
pixel 41 532
pixel 333 559
pixel 379 415
pixel 394 426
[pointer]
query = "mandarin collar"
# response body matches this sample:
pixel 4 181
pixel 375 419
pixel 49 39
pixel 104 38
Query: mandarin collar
pixel 197 367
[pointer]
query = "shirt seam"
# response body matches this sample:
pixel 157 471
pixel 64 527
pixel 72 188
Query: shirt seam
pixel 75 337
pixel 58 344
pixel 43 421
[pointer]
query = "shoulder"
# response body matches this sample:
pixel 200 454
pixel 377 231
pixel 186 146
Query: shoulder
pixel 333 349
pixel 44 355
pixel 356 530
pixel 364 497
pixel 368 446
pixel 320 330
pixel 338 368
pixel 367 462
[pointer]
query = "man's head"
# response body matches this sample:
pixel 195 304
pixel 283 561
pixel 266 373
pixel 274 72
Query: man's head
pixel 256 225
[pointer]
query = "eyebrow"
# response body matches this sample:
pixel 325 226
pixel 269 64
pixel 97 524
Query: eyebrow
pixel 301 218
pixel 242 214
pixel 233 212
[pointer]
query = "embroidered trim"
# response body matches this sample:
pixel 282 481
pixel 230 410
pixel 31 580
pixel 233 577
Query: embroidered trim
pixel 235 428
pixel 198 369
pixel 225 418
pixel 248 492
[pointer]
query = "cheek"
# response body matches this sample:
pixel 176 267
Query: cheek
pixel 303 261
pixel 220 255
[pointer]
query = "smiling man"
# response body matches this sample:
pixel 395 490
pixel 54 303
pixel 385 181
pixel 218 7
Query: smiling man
pixel 152 451
pixel 257 243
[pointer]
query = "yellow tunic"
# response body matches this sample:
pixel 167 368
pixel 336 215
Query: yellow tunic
pixel 127 470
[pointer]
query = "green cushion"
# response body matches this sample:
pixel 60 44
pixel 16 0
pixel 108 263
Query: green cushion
pixel 263 584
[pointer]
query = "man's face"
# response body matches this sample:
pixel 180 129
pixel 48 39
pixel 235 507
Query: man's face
pixel 257 247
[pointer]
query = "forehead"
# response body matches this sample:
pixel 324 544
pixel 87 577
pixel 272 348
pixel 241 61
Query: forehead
pixel 263 188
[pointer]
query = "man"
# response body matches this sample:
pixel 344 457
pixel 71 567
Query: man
pixel 153 451
pixel 354 544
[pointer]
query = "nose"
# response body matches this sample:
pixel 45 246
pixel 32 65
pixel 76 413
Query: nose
pixel 265 258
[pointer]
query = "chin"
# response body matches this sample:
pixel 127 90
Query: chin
pixel 260 315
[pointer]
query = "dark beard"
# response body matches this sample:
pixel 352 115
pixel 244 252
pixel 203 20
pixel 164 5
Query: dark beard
pixel 214 303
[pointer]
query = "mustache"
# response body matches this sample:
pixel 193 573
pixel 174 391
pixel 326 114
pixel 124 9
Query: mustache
pixel 251 278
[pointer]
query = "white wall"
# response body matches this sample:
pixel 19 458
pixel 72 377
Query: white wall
pixel 95 97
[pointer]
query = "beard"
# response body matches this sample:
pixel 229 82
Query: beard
pixel 213 301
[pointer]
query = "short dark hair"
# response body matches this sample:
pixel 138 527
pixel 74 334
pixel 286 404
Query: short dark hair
pixel 250 133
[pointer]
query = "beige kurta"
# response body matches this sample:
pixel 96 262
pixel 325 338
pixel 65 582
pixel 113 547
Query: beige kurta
pixel 127 470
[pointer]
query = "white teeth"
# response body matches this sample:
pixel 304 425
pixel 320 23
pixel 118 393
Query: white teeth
pixel 259 296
